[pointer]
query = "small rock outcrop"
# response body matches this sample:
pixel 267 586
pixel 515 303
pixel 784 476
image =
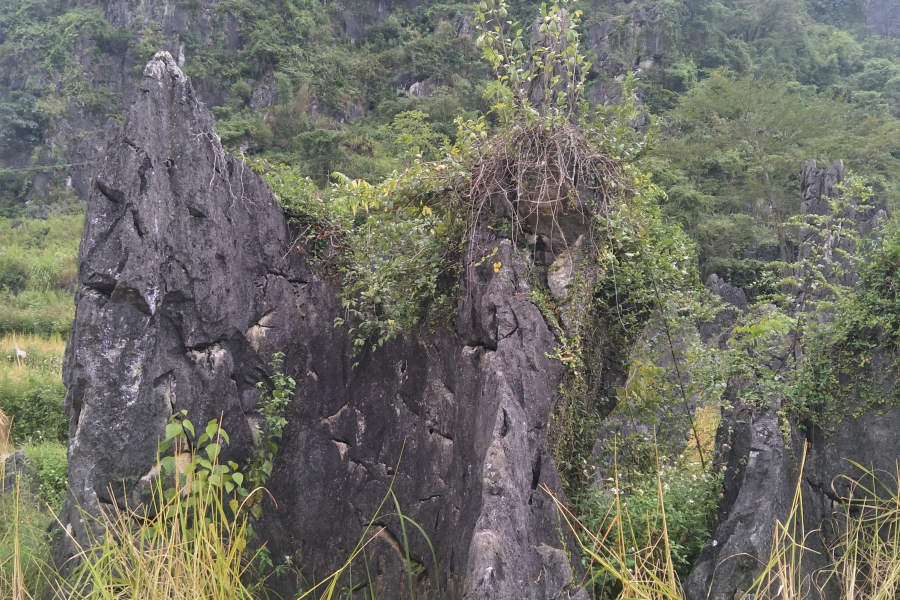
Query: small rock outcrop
pixel 188 285
pixel 16 470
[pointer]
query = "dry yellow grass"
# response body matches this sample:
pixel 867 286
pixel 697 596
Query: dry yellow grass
pixel 706 421
pixel 43 354
pixel 5 431
pixel 32 344
pixel 31 389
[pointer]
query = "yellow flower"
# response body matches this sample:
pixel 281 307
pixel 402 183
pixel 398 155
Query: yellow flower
pixel 497 266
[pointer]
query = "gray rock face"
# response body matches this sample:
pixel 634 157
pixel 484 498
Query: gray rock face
pixel 761 474
pixel 728 293
pixel 883 17
pixel 181 276
pixel 467 411
pixel 188 285
pixel 758 485
pixel 629 43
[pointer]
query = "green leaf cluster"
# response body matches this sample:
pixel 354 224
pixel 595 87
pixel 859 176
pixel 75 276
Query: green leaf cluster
pixel 192 460
pixel 272 405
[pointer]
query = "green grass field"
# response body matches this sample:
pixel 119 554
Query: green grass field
pixel 38 272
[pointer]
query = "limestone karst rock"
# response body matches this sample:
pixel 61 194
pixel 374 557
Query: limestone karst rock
pixel 188 285
pixel 181 274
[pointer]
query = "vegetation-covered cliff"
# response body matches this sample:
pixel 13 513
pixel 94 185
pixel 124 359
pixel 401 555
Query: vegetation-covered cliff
pixel 483 267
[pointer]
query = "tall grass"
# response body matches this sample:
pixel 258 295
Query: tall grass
pixel 867 553
pixel 26 512
pixel 45 313
pixel 185 542
pixel 24 551
pixel 653 490
pixel 31 389
pixel 630 556
pixel 864 544
pixel 784 576
pixel 864 547
pixel 38 271
pixel 192 540
pixel 5 431
pixel 192 548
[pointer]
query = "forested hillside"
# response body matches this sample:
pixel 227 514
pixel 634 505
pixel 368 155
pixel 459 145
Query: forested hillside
pixel 742 92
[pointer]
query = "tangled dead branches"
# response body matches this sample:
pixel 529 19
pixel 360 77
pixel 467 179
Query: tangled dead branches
pixel 549 179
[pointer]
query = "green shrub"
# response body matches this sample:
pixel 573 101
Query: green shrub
pixel 39 313
pixel 51 472
pixel 35 404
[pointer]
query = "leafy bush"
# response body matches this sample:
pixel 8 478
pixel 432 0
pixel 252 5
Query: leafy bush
pixel 35 404
pixel 395 240
pixel 272 404
pixel 860 327
pixel 396 249
pixel 51 472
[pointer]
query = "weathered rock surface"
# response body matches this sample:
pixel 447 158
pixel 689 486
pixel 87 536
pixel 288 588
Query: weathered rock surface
pixel 819 187
pixel 761 474
pixel 188 284
pixel 181 276
pixel 759 479
pixel 735 303
pixel 16 469
pixel 469 414
pixel 630 42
